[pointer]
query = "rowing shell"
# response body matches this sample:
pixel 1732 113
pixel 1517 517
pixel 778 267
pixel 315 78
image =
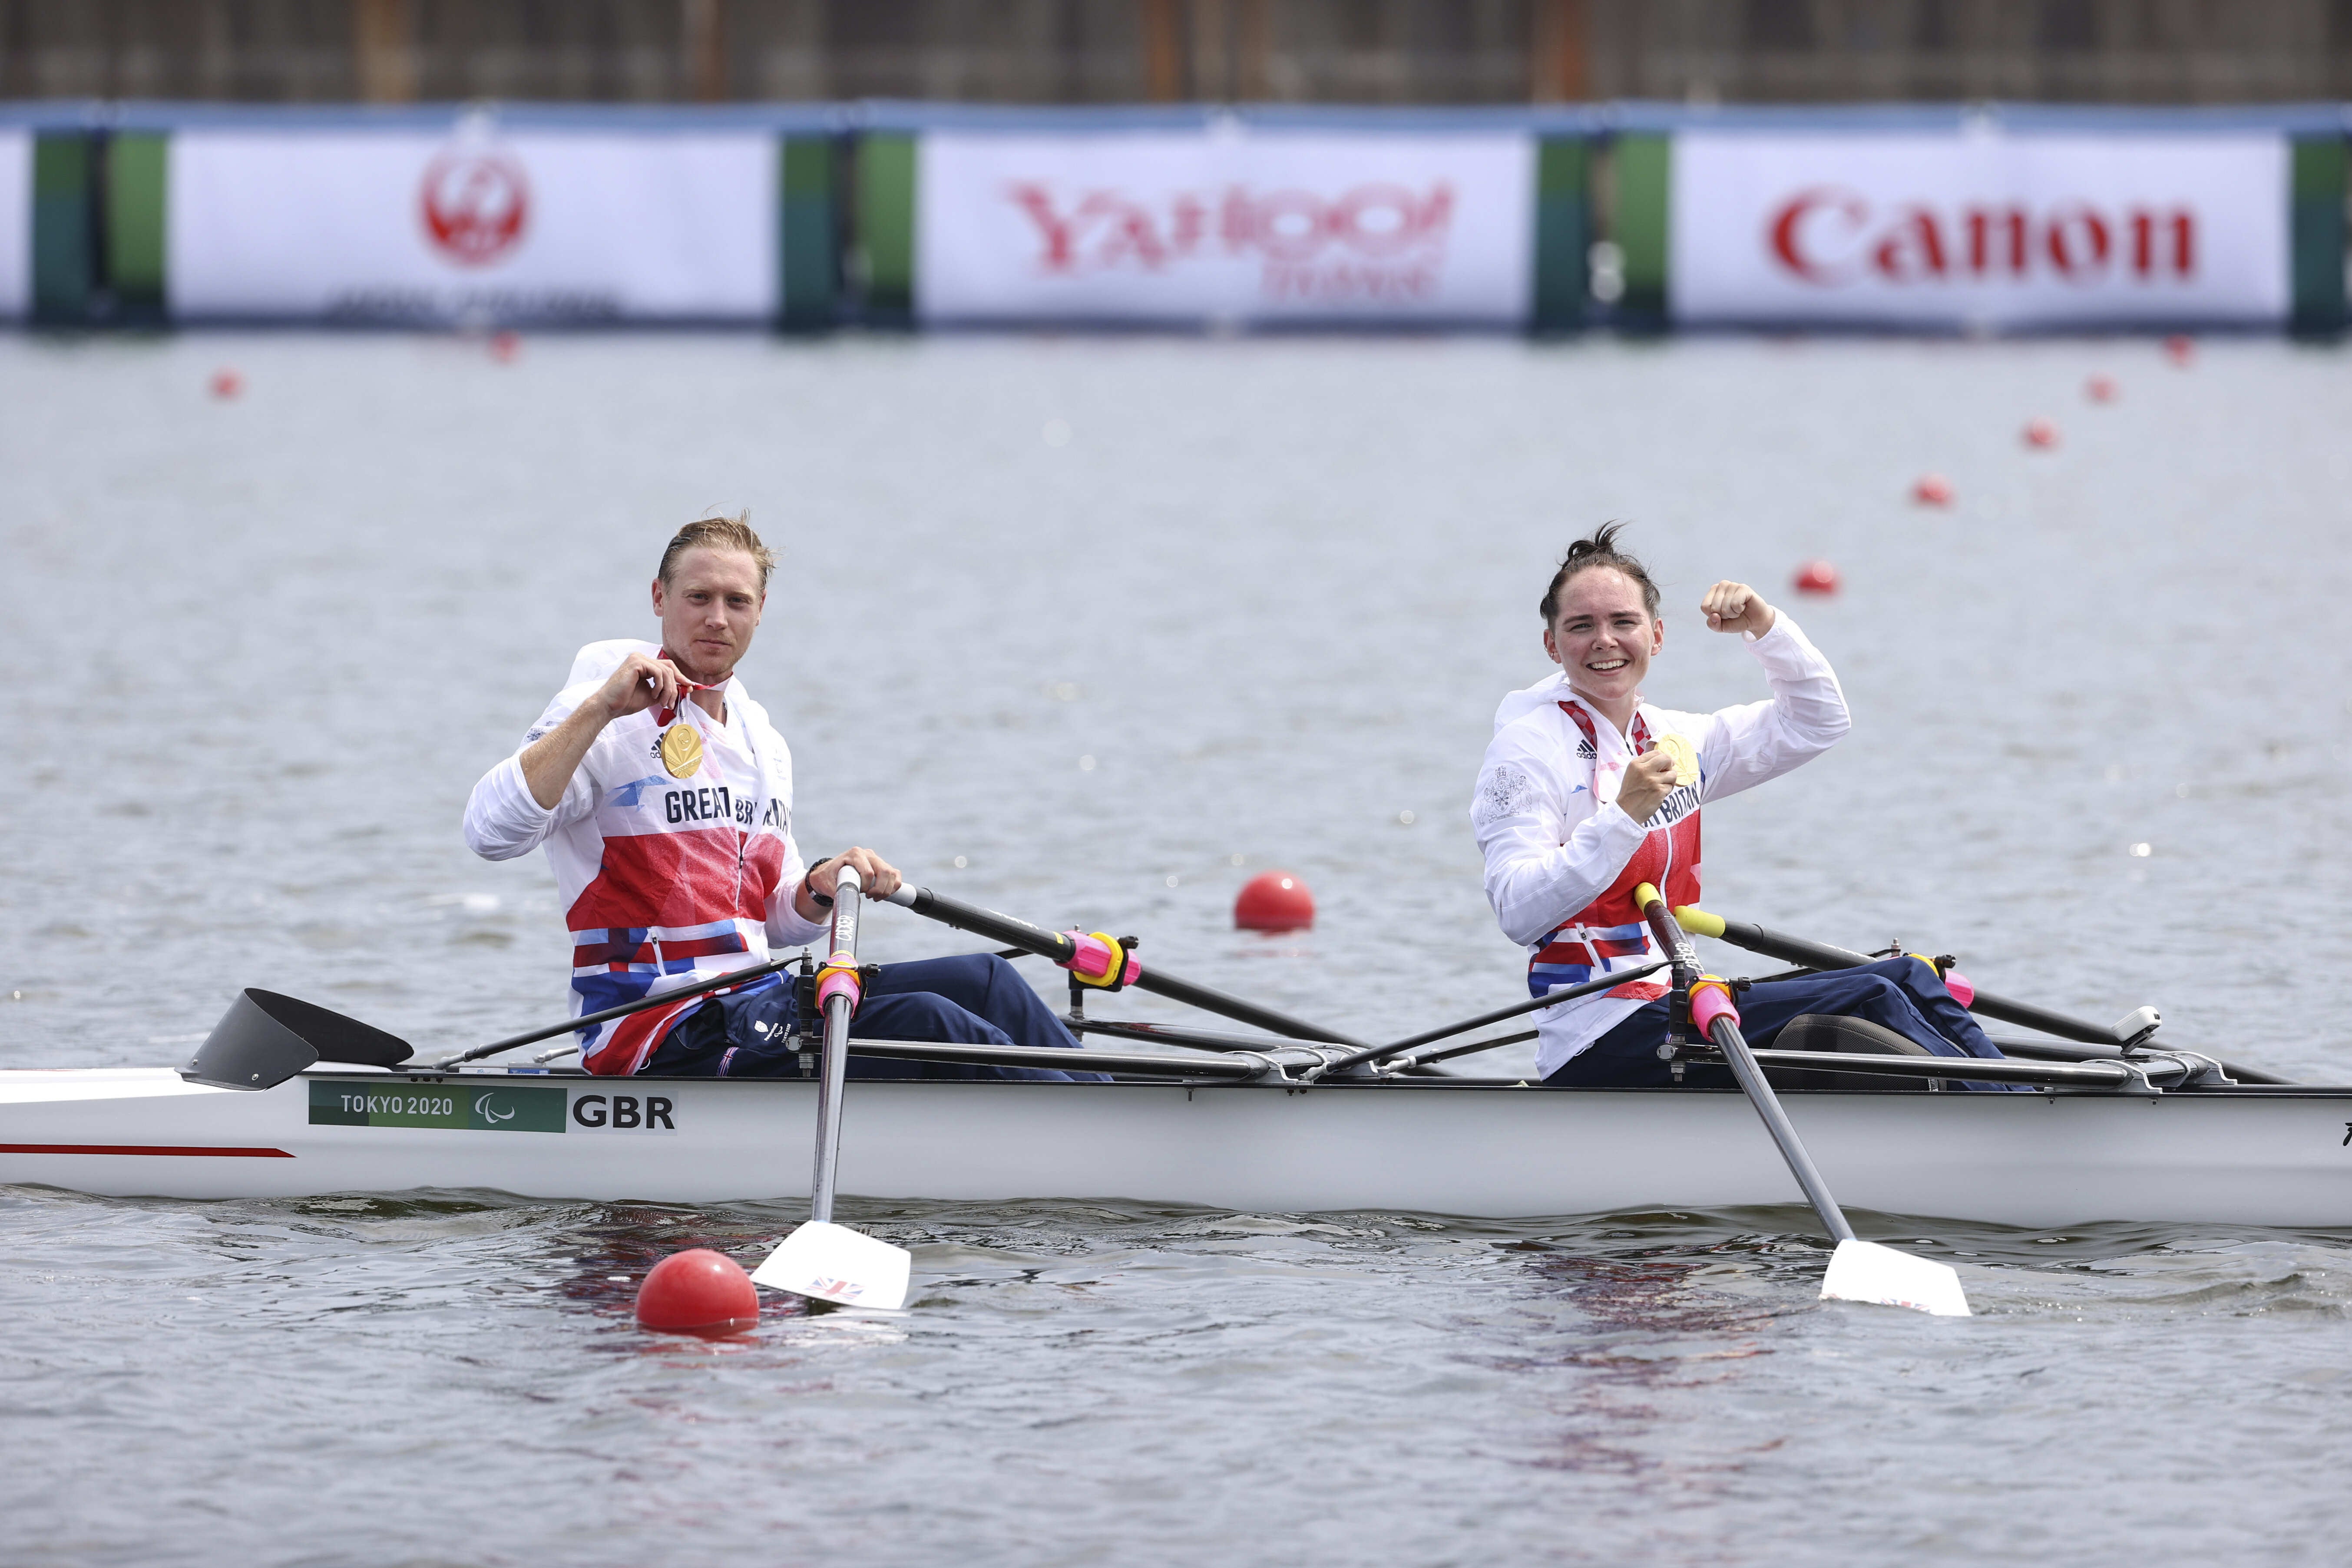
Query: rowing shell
pixel 2239 1155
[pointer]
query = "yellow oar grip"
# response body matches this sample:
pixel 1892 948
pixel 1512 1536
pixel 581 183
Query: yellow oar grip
pixel 1699 922
pixel 1644 896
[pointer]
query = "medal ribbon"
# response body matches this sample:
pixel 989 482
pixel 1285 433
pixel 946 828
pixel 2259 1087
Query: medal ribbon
pixel 685 688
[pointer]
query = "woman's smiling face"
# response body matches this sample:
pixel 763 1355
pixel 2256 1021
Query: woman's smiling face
pixel 1604 638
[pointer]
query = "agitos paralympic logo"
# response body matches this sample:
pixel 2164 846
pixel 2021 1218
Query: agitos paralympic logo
pixel 1371 241
pixel 1829 235
pixel 475 204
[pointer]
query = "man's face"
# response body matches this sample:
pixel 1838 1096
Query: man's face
pixel 708 610
pixel 1604 635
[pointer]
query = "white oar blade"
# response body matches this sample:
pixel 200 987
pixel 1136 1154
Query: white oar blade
pixel 1865 1271
pixel 833 1263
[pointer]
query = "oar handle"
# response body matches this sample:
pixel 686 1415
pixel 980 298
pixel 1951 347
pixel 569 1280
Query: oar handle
pixel 1093 962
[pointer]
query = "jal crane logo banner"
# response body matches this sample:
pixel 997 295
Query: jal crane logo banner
pixel 475 204
pixel 473 224
pixel 1237 225
pixel 1990 229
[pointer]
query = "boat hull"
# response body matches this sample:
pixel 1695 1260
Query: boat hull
pixel 2041 1159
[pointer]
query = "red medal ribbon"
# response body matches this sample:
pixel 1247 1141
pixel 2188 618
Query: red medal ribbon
pixel 685 686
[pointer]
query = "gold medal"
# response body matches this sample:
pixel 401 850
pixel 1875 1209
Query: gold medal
pixel 681 751
pixel 1685 754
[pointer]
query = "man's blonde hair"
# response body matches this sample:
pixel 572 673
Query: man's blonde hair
pixel 719 533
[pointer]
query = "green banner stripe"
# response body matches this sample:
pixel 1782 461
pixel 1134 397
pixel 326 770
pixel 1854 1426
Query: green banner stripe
pixel 1643 167
pixel 136 170
pixel 886 223
pixel 61 227
pixel 805 247
pixel 1562 238
pixel 2317 233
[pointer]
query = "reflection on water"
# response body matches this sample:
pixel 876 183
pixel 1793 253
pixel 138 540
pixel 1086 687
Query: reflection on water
pixel 1254 610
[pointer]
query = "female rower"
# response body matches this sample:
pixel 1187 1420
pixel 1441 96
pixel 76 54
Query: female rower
pixel 1588 792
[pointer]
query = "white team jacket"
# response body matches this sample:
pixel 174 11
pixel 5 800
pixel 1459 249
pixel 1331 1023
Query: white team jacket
pixel 663 880
pixel 1562 859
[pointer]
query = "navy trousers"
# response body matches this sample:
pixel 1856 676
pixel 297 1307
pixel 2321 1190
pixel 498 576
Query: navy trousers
pixel 976 999
pixel 1902 994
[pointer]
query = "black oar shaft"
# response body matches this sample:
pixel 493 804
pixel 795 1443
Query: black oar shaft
pixel 2025 1015
pixel 1005 929
pixel 1822 955
pixel 733 977
pixel 1608 982
pixel 1161 1064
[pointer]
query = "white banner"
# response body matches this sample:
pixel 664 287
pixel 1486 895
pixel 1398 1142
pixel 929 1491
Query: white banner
pixel 472 226
pixel 1231 227
pixel 1980 229
pixel 15 225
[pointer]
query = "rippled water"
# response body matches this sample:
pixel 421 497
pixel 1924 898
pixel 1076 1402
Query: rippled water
pixel 1099 617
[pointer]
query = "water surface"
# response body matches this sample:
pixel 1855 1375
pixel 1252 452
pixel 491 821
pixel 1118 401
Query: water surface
pixel 1093 631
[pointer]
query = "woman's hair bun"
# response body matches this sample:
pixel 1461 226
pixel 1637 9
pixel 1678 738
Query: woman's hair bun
pixel 1599 550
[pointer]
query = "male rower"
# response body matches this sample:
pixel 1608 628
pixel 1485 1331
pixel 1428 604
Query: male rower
pixel 1588 792
pixel 665 799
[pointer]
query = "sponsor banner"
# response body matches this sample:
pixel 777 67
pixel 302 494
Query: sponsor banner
pixel 15 225
pixel 1979 229
pixel 1186 228
pixel 397 227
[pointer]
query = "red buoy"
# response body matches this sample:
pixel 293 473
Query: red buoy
pixel 2041 432
pixel 1932 489
pixel 2100 389
pixel 698 1292
pixel 1273 900
pixel 1817 577
pixel 227 384
pixel 505 346
pixel 2180 349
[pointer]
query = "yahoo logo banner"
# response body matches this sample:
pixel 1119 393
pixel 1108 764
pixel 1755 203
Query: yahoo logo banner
pixel 1107 228
pixel 1224 224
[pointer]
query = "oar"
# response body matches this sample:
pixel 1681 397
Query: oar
pixel 265 1039
pixel 826 1261
pixel 2132 1029
pixel 1608 982
pixel 726 982
pixel 1098 961
pixel 1858 1270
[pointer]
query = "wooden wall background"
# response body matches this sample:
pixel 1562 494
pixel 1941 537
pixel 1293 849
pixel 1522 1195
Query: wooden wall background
pixel 1097 51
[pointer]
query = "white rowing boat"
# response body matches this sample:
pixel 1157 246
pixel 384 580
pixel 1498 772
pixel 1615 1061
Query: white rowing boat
pixel 2230 1153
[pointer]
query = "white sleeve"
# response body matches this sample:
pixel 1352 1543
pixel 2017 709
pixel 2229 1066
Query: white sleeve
pixel 1804 717
pixel 785 927
pixel 502 820
pixel 1534 881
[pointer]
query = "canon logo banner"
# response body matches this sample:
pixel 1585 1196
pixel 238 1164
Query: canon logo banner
pixel 1202 226
pixel 1979 229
